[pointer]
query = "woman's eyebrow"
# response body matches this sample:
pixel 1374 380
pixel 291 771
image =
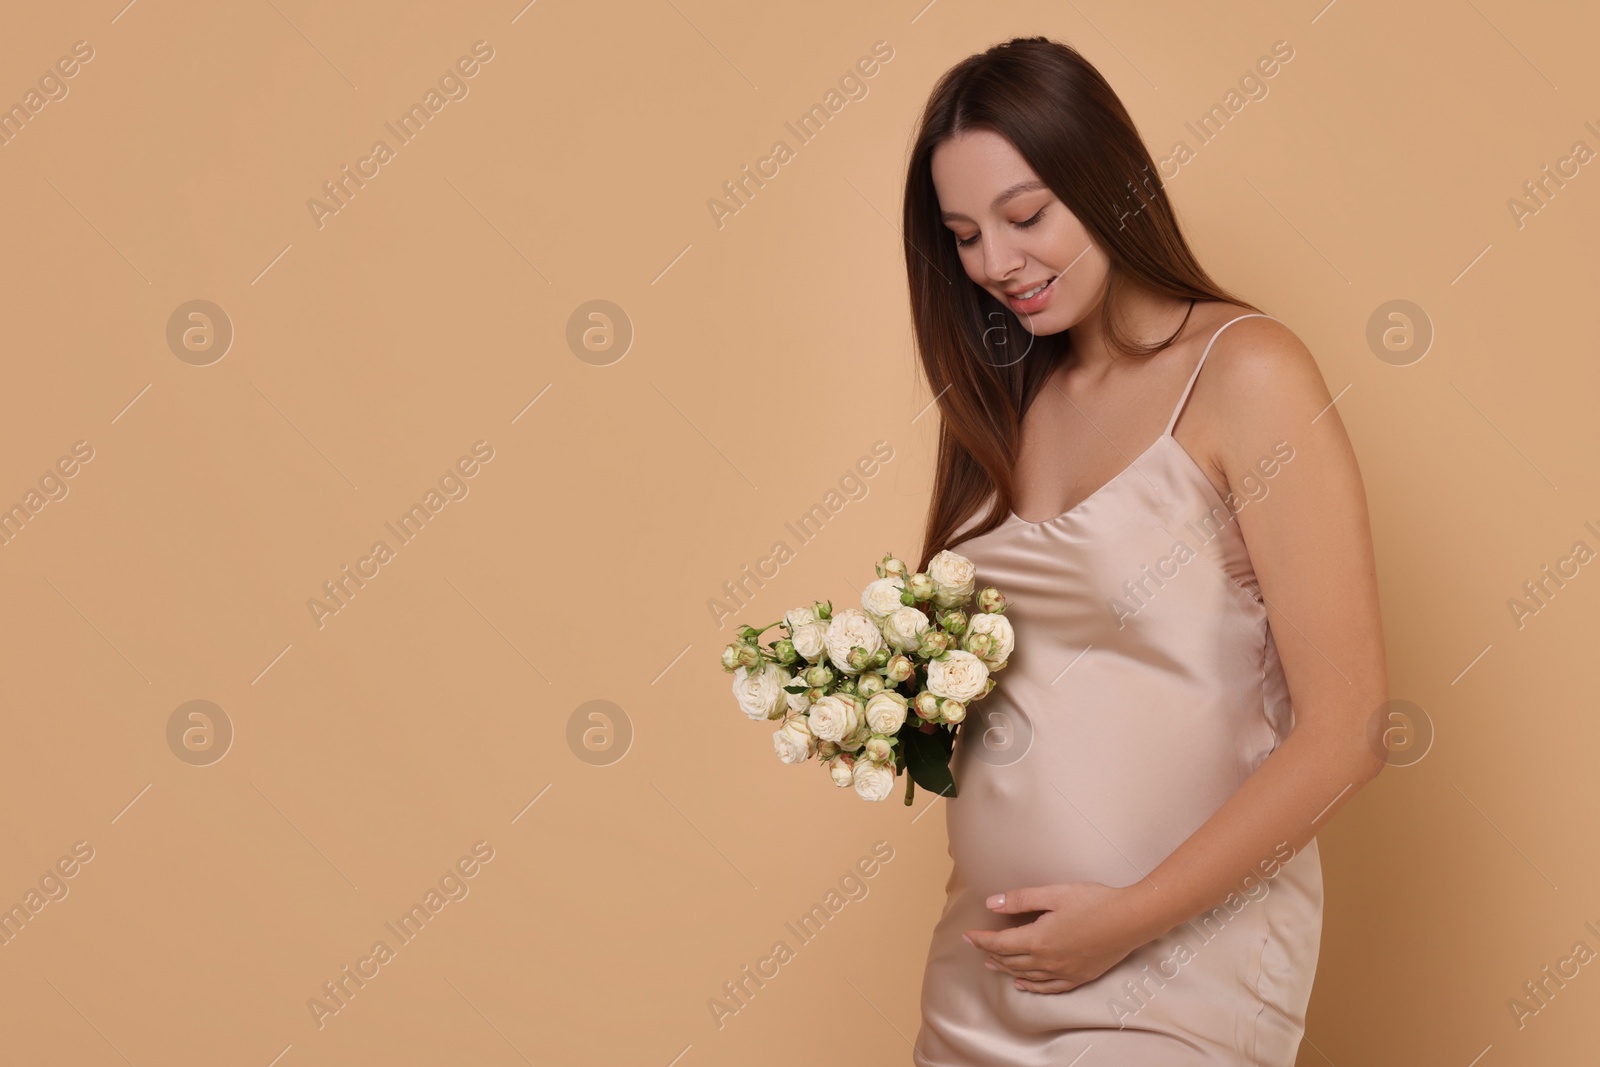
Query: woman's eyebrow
pixel 1016 190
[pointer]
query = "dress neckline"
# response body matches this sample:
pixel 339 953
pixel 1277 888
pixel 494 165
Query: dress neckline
pixel 1113 480
pixel 1200 475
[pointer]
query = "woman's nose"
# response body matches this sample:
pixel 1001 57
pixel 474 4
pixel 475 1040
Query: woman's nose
pixel 1000 259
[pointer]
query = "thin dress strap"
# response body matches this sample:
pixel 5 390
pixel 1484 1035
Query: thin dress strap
pixel 1186 389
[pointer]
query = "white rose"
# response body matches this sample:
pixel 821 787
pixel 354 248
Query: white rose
pixel 904 627
pixel 834 717
pixel 955 576
pixel 881 597
pixel 758 692
pixel 886 713
pixel 999 628
pixel 798 617
pixel 873 781
pixel 840 771
pixel 809 640
pixel 849 629
pixel 794 741
pixel 958 676
pixel 798 701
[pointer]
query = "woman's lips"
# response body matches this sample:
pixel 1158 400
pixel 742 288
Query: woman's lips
pixel 1035 303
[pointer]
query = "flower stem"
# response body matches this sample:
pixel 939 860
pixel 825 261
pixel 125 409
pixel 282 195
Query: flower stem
pixel 911 787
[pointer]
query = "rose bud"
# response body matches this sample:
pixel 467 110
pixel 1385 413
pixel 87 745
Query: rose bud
pixel 878 750
pixel 991 599
pixel 954 621
pixel 921 586
pixel 823 609
pixel 868 684
pixel 784 651
pixel 934 642
pixel 952 710
pixel 730 658
pixel 818 677
pixel 827 749
pixel 899 668
pixel 927 705
pixel 980 645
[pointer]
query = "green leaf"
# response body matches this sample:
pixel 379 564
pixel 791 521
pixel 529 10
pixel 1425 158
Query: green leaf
pixel 927 757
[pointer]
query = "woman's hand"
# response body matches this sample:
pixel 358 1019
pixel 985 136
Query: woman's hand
pixel 1086 929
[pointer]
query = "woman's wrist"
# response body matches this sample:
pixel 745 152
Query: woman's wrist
pixel 1148 912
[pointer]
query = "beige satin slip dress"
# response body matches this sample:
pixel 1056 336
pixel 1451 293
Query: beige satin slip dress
pixel 1144 688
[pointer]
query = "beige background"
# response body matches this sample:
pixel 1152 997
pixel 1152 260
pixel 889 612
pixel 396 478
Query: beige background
pixel 768 355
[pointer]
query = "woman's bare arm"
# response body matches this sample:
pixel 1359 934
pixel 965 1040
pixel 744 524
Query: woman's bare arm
pixel 1311 546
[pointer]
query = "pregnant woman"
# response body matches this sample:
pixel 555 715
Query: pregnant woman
pixel 1156 475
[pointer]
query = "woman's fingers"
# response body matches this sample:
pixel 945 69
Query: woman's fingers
pixel 1055 985
pixel 1016 971
pixel 1014 959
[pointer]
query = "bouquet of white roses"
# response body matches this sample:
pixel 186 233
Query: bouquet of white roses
pixel 879 690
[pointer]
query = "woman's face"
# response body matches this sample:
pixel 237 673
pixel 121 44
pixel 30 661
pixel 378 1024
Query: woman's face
pixel 1013 234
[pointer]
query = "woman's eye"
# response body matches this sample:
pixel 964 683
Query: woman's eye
pixel 1024 224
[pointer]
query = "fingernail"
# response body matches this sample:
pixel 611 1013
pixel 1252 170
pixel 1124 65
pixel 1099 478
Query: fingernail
pixel 989 964
pixel 997 901
pixel 968 940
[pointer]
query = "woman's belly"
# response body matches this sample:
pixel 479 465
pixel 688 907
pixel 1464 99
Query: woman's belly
pixel 1085 794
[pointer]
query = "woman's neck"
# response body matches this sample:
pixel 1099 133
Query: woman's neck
pixel 1148 317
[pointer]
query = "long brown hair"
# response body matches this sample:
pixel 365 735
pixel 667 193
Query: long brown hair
pixel 1067 123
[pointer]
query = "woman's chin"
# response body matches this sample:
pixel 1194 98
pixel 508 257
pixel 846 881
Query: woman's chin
pixel 1045 323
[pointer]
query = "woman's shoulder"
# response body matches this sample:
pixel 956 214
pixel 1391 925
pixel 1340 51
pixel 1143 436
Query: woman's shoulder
pixel 1258 373
pixel 1257 357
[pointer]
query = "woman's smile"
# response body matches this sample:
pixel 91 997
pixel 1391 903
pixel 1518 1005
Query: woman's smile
pixel 1026 304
